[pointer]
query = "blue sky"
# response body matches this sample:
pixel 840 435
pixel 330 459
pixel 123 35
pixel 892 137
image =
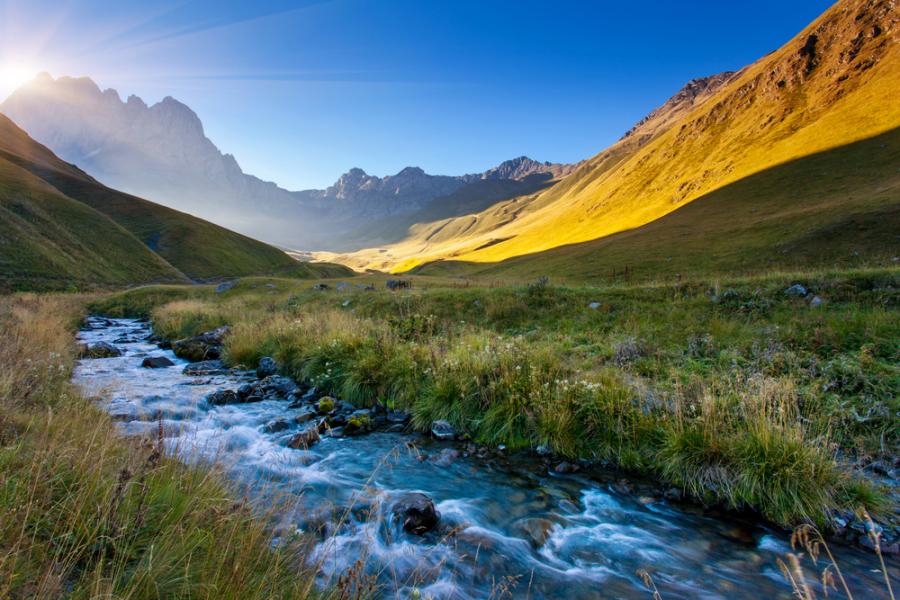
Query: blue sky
pixel 300 91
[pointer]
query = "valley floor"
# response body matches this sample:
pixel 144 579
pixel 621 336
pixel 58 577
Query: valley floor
pixel 774 394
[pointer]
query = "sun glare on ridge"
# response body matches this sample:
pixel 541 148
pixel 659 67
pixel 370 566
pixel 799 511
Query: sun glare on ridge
pixel 14 75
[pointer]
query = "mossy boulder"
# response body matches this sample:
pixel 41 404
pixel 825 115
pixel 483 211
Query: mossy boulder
pixel 206 346
pixel 325 405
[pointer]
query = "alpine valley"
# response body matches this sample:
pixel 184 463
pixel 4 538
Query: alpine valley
pixel 667 370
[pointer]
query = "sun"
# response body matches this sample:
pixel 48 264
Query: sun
pixel 14 75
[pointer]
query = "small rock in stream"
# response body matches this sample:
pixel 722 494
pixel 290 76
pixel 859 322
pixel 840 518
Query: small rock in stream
pixel 359 423
pixel 98 350
pixel 398 416
pixel 306 414
pixel 566 468
pixel 206 346
pixel 206 367
pixel 276 426
pixel 416 513
pixel 443 430
pixel 304 439
pixel 222 397
pixel 445 457
pixel 225 286
pixel 156 362
pixel 267 366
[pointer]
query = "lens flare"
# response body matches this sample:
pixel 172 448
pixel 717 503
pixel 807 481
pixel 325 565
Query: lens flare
pixel 14 75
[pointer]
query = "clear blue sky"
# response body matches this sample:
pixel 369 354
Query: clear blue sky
pixel 300 91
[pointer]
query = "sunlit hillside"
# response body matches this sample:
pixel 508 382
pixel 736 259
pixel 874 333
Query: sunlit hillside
pixel 830 86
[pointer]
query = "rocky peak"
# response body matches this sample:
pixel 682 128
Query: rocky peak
pixel 515 168
pixel 410 172
pixel 685 98
pixel 135 102
pixel 178 115
pixel 521 167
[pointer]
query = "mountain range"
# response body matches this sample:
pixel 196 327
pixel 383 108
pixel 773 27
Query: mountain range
pixel 789 161
pixel 162 152
pixel 823 108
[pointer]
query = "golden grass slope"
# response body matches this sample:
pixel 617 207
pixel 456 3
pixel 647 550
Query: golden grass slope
pixel 835 83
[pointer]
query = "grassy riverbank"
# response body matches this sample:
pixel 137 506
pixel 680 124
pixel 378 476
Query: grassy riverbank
pixel 89 514
pixel 734 391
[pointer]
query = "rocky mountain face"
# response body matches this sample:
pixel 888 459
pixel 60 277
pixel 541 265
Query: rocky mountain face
pixel 523 167
pixel 162 152
pixel 693 92
pixel 158 151
pixel 359 194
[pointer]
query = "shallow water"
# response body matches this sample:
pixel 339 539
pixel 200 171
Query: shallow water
pixel 509 527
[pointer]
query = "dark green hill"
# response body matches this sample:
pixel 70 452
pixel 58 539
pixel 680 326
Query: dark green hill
pixel 61 226
pixel 49 241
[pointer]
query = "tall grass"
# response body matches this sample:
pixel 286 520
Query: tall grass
pixel 733 392
pixel 90 514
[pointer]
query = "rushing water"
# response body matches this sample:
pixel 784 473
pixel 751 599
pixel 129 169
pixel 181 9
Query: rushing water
pixel 509 527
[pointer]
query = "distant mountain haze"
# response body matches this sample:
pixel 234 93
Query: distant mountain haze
pixel 162 152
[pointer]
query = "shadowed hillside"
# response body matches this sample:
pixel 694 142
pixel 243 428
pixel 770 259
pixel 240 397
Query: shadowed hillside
pixel 61 226
pixel 49 241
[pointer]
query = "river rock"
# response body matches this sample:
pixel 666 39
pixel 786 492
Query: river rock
pixel 398 417
pixel 277 385
pixel 156 362
pixel 536 530
pixel 273 387
pixel 337 419
pixel 225 286
pixel 445 457
pixel 276 425
pixel 304 439
pixel 97 323
pixel 359 422
pixel 207 345
pixel 205 368
pixel 566 468
pixel 673 494
pixel 308 397
pixel 267 366
pixel 325 405
pixel 796 291
pixel 443 430
pixel 306 414
pixel 623 486
pixel 98 350
pixel 416 513
pixel 221 397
